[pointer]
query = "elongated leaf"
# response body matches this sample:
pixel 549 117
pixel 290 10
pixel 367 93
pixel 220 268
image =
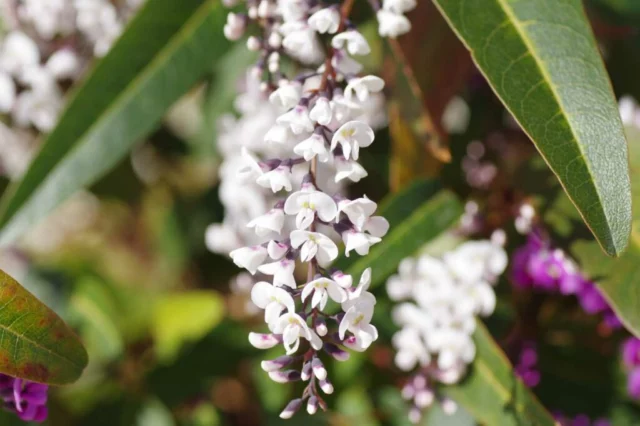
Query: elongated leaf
pixel 165 50
pixel 492 393
pixel 35 344
pixel 541 58
pixel 416 216
pixel 618 278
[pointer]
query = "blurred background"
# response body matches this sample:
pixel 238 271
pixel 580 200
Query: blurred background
pixel 165 320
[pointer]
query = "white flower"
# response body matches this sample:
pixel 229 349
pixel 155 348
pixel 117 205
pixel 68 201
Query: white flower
pixel 351 137
pixel 221 239
pixel 315 245
pixel 249 257
pixel 321 112
pixel 273 300
pixel 322 289
pixel 358 241
pixel 347 169
pixel 277 250
pixel 392 24
pixel 63 64
pixel 410 349
pixel 234 28
pixel 277 179
pixel 361 291
pixel 312 146
pixel 345 64
pixel 343 280
pixel 272 221
pixel 301 41
pixel 476 260
pixel 263 341
pixel 282 272
pixel 278 134
pixel 306 203
pixel 357 320
pixel 297 120
pixel 363 87
pixel 252 168
pixel 399 6
pixel 18 52
pixel 292 327
pixel 358 210
pixel 38 107
pixel 452 346
pixel 287 95
pixel 344 108
pixel 7 92
pixel 377 226
pixel 356 43
pixel 326 20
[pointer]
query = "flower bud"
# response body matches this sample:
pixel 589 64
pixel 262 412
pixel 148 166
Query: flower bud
pixel 276 364
pixel 291 409
pixel 321 327
pixel 449 406
pixel 337 353
pixel 326 386
pixel 284 376
pixel 318 369
pixel 312 405
pixel 305 374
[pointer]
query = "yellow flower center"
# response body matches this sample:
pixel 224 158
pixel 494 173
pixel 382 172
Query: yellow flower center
pixel 347 133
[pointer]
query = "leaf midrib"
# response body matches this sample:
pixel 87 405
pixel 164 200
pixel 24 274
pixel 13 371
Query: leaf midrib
pixel 539 64
pixel 184 33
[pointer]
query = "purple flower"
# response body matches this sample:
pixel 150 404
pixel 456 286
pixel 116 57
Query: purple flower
pixel 631 352
pixel 592 300
pixel 633 383
pixel 27 399
pixel 527 365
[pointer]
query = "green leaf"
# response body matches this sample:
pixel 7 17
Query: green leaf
pixel 408 233
pixel 184 317
pixel 35 344
pixel 541 59
pixel 618 278
pixel 492 394
pixel 167 47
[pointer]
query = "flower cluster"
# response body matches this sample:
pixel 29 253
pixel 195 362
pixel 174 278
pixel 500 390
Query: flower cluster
pixel 526 365
pixel 43 50
pixel 301 140
pixel 27 399
pixel 538 265
pixel 436 330
pixel 631 360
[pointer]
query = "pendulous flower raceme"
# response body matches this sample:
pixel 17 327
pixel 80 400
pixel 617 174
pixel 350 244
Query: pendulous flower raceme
pixel 440 299
pixel 311 132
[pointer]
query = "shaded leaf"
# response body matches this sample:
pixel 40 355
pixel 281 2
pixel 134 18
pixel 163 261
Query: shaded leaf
pixel 184 317
pixel 541 59
pixel 492 394
pixel 618 278
pixel 166 48
pixel 35 344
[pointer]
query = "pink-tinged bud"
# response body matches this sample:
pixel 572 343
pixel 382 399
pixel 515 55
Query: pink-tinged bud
pixel 424 398
pixel 312 405
pixel 337 353
pixel 318 369
pixel 321 327
pixel 326 386
pixel 449 406
pixel 408 391
pixel 305 374
pixel 276 364
pixel 284 376
pixel 415 415
pixel 291 409
pixel 263 341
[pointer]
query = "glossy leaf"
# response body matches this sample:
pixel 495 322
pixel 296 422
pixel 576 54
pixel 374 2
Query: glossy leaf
pixel 618 278
pixel 541 59
pixel 492 393
pixel 35 344
pixel 410 230
pixel 167 47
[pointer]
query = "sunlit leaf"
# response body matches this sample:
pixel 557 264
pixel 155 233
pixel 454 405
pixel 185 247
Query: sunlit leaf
pixel 541 59
pixel 35 344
